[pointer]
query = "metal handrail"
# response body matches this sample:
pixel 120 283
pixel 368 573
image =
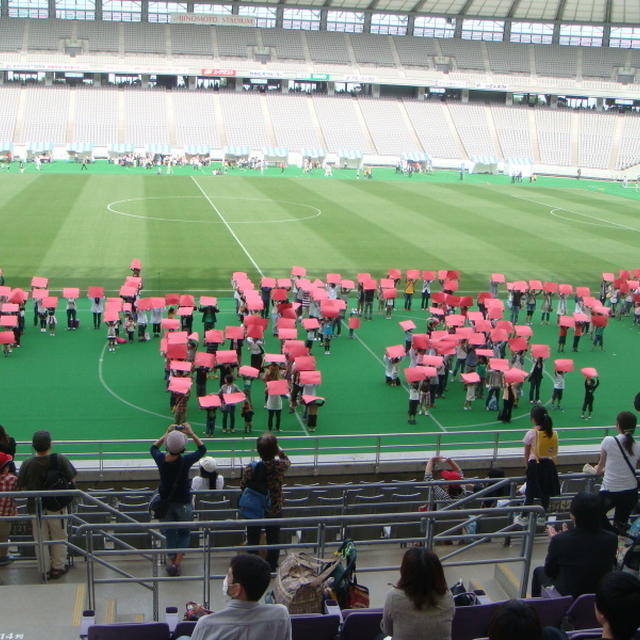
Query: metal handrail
pixel 319 449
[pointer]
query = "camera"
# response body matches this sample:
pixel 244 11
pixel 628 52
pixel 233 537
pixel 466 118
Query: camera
pixel 179 427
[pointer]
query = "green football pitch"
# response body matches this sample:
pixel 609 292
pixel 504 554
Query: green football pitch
pixel 191 230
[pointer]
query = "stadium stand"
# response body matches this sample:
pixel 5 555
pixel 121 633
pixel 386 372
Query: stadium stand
pixel 286 43
pixel 234 43
pixel 96 116
pixel 432 128
pixel 629 144
pixel 370 49
pixel 379 115
pixel 8 112
pixel 45 115
pixel 291 120
pixel 596 137
pixel 100 36
pixel 512 129
pixel 505 57
pixel 556 61
pixel 47 34
pixel 144 38
pixel 471 124
pixel 340 124
pixel 466 53
pixel 601 63
pixel 327 47
pixel 244 120
pixel 415 52
pixel 11 34
pixel 191 40
pixel 201 127
pixel 553 128
pixel 146 121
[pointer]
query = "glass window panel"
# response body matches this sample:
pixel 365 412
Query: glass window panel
pixel 265 16
pixel 432 27
pixel 306 19
pixel 345 21
pixel 390 24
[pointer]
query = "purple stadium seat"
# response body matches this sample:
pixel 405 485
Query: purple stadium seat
pixel 361 624
pixel 585 634
pixel 581 613
pixel 130 631
pixel 472 622
pixel 314 626
pixel 184 628
pixel 550 610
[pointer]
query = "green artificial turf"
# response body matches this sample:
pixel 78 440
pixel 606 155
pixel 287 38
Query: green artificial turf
pixel 191 231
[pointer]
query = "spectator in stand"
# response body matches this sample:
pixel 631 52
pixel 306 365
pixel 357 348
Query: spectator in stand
pixel 174 486
pixel 8 446
pixel 618 606
pixel 33 477
pixel 244 616
pixel 619 457
pixel 8 482
pixel 516 619
pixel 577 559
pixel 276 465
pixel 209 478
pixel 420 605
pixel 445 493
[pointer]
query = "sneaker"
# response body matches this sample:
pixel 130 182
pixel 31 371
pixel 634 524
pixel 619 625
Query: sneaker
pixel 173 570
pixel 582 416
pixel 521 521
pixel 541 521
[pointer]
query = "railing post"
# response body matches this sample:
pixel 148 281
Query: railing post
pixel 91 585
pixel 321 538
pixel 378 445
pixel 39 528
pixel 206 593
pixel 316 455
pixel 155 586
pixel 527 551
pixel 438 443
pixel 496 445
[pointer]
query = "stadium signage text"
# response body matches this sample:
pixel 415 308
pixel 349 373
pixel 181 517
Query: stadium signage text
pixel 218 72
pixel 223 21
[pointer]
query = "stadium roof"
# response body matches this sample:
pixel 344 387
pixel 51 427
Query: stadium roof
pixel 597 11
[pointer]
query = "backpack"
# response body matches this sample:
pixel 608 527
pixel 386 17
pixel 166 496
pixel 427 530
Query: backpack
pixel 254 503
pixel 56 480
pixel 546 447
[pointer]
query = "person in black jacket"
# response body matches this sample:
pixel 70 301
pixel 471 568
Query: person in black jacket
pixel 618 605
pixel 577 559
pixel 175 485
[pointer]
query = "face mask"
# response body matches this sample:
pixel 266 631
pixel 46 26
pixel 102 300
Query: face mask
pixel 225 586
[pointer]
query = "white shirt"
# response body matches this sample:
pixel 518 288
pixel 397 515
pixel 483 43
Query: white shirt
pixel 617 475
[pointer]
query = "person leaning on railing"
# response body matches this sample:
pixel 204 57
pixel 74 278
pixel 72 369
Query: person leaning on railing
pixel 175 486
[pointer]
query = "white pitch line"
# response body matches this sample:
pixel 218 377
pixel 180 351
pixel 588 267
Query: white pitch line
pixel 577 213
pixel 366 346
pixel 302 424
pixel 226 224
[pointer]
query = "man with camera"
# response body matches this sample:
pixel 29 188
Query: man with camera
pixel 174 501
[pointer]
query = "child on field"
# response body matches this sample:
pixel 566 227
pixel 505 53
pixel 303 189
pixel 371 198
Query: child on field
pixel 354 322
pixel 577 333
pixel 130 327
pixel 590 385
pixel 558 389
pixel 481 370
pixel 414 399
pixel 111 336
pixel 470 395
pixel 391 370
pixel 327 332
pixel 210 424
pixel 52 322
pixel 425 398
pixel 247 415
pixel 562 338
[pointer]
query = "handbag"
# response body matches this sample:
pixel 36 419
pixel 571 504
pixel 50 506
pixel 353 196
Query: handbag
pixel 357 596
pixel 255 501
pixel 624 455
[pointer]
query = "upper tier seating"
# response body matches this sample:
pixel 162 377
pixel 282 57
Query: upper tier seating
pixel 370 49
pixel 414 52
pixel 327 47
pixel 144 38
pixel 507 57
pixel 233 42
pixel 467 53
pixel 11 34
pixel 191 40
pixel 600 63
pixel 101 36
pixel 286 42
pixel 552 60
pixel 46 34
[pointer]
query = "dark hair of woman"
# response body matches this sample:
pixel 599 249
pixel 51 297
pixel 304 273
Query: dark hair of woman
pixel 4 436
pixel 618 602
pixel 211 476
pixel 267 446
pixel 542 419
pixel 515 619
pixel 422 577
pixel 627 422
